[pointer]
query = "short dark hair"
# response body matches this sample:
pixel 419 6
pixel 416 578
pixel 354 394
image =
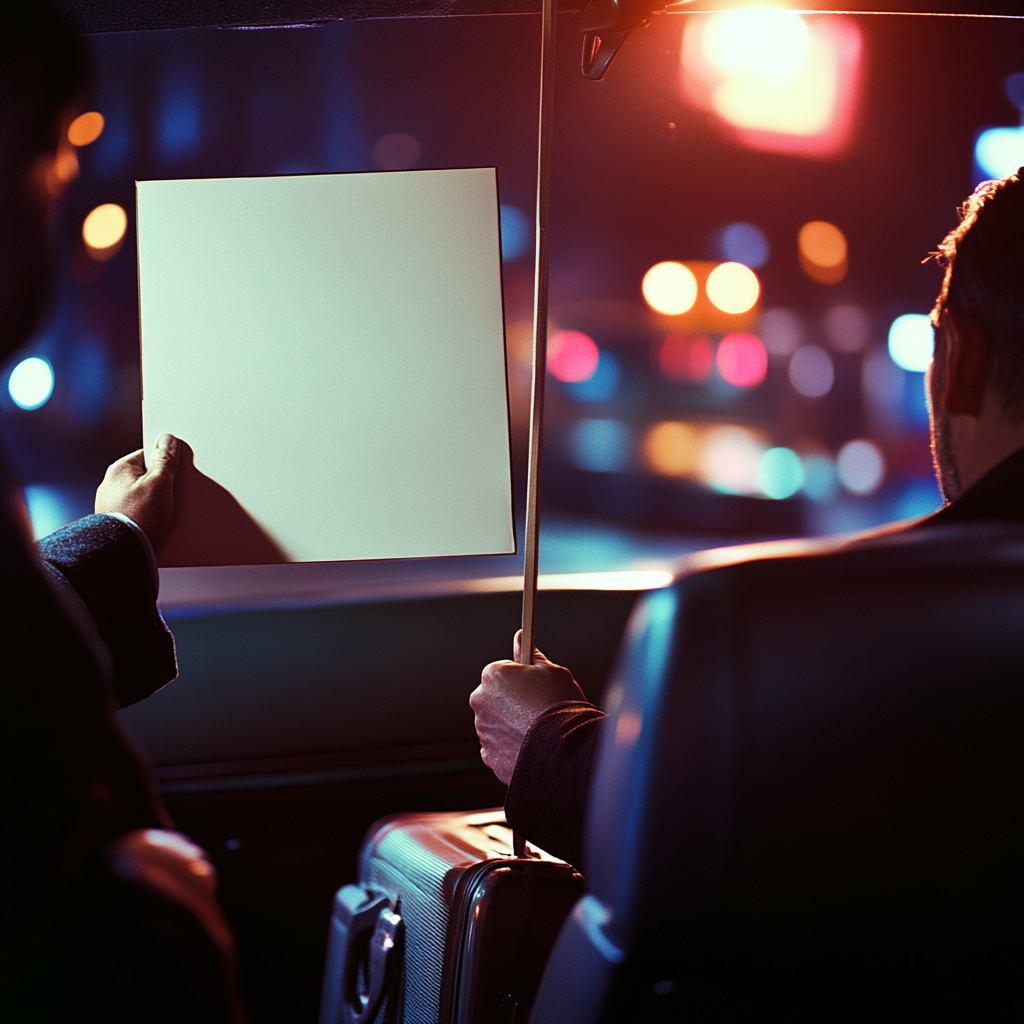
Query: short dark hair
pixel 984 261
pixel 43 68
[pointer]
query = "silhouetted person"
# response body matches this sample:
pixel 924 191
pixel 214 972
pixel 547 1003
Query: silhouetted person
pixel 537 730
pixel 108 914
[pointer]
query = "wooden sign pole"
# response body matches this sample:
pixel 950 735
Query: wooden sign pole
pixel 540 321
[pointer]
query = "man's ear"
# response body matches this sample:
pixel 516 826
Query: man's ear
pixel 967 365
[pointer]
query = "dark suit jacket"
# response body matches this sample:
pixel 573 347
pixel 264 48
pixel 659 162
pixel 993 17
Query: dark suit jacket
pixel 81 636
pixel 547 796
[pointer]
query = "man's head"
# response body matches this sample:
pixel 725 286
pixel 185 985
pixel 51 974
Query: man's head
pixel 42 76
pixel 976 382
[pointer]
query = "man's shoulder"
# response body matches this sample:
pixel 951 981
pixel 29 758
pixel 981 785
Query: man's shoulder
pixel 910 542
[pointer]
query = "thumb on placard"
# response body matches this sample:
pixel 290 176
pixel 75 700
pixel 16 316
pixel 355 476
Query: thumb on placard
pixel 166 455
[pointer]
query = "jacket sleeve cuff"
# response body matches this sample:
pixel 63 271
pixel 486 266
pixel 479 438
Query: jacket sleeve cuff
pixel 547 797
pixel 147 547
pixel 102 558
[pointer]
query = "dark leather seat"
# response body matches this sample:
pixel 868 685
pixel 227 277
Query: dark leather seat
pixel 808 801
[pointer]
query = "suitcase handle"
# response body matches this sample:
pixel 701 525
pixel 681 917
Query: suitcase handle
pixel 363 912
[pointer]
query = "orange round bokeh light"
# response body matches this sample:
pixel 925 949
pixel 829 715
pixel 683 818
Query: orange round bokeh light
pixel 823 252
pixel 673 449
pixel 86 128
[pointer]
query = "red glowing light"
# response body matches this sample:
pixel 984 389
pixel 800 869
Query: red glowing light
pixel 686 359
pixel 742 359
pixel 572 356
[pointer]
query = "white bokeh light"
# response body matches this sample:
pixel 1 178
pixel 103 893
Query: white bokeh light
pixel 670 288
pixel 860 466
pixel 769 43
pixel 911 341
pixel 31 383
pixel 730 460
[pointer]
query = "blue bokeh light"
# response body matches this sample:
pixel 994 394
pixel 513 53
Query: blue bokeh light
pixel 516 233
pixel 745 243
pixel 179 119
pixel 780 473
pixel 603 385
pixel 88 379
pixel 820 480
pixel 998 152
pixel 917 497
pixel 1014 86
pixel 601 446
pixel 911 342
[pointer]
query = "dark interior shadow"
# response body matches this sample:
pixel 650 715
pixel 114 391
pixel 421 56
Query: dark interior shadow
pixel 210 527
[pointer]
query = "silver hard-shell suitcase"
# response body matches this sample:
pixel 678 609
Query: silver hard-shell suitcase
pixel 445 926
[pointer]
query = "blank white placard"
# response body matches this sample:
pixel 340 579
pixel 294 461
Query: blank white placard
pixel 332 348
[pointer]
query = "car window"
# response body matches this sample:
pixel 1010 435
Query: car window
pixel 741 211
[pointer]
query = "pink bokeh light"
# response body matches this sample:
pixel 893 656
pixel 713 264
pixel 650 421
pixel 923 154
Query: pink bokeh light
pixel 742 359
pixel 572 356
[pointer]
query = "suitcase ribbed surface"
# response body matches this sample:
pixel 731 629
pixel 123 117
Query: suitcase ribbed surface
pixel 418 859
pixel 400 865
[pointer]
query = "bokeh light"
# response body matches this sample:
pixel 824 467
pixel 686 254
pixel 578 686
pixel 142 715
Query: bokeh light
pixel 86 128
pixel 63 170
pixel 602 385
pixel 180 113
pixel 884 388
pixel 911 342
pixel 686 358
pixel 860 467
pixel 572 356
pixel 104 229
pixel 779 81
pixel 768 42
pixel 742 360
pixel 397 151
pixel 49 507
pixel 31 383
pixel 781 332
pixel 673 449
pixel 998 152
pixel 820 482
pixel 823 252
pixel 730 460
pixel 670 288
pixel 811 371
pixel 847 328
pixel 516 233
pixel 733 288
pixel 745 243
pixel 600 445
pixel 780 473
pixel 919 497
